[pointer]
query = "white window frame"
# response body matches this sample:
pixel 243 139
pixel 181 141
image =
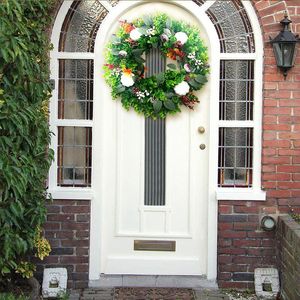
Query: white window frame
pixel 58 192
pixel 255 192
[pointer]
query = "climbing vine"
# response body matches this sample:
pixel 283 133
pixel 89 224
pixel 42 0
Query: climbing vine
pixel 24 132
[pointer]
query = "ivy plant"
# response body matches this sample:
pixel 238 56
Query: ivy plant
pixel 24 133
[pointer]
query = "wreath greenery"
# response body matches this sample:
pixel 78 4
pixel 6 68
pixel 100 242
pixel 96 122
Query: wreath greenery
pixel 164 93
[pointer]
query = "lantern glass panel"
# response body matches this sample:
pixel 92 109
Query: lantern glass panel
pixel 288 51
pixel 284 54
pixel 278 54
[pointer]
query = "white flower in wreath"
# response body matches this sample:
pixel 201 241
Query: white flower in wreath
pixel 122 53
pixel 127 79
pixel 181 37
pixel 182 88
pixel 187 68
pixel 151 31
pixel 192 55
pixel 135 34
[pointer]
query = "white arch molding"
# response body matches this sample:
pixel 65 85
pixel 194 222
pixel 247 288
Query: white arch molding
pixel 214 194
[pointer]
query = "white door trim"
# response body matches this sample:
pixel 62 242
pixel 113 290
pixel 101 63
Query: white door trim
pixel 96 233
pixel 96 203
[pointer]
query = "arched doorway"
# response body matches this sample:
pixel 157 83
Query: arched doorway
pixel 102 170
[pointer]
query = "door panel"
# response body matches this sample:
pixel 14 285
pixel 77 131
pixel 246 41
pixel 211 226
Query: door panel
pixel 183 218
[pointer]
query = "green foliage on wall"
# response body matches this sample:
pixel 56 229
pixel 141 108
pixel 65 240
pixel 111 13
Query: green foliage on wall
pixel 24 133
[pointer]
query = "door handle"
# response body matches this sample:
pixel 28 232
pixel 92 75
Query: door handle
pixel 202 146
pixel 201 129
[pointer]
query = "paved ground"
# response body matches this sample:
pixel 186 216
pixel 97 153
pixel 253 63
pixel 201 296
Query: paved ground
pixel 108 294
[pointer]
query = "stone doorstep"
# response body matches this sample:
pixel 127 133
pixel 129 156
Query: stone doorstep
pixel 194 282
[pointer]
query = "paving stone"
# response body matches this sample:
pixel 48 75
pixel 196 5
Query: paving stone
pixel 74 297
pixel 97 294
pixel 210 295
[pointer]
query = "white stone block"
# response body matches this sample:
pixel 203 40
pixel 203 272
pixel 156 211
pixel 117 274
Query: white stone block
pixel 54 282
pixel 266 277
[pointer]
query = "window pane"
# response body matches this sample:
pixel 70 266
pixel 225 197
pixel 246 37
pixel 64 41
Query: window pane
pixel 80 26
pixel 74 156
pixel 233 26
pixel 75 96
pixel 236 89
pixel 235 157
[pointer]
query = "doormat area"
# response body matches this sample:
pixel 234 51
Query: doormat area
pixel 139 293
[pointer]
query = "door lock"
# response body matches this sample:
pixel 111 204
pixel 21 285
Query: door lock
pixel 202 146
pixel 201 129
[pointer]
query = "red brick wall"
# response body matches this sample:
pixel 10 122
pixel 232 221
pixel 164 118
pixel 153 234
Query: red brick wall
pixel 68 230
pixel 288 236
pixel 242 245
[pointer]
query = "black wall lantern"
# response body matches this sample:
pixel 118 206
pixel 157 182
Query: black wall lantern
pixel 284 47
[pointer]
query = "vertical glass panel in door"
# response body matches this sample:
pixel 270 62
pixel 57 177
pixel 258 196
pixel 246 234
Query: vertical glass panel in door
pixel 155 142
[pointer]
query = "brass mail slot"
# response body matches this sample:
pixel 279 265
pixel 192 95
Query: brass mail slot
pixel 154 245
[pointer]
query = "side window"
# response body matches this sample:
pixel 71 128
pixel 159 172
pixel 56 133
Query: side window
pixel 75 103
pixel 72 109
pixel 235 108
pixel 237 121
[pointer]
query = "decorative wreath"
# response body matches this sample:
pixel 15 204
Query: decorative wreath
pixel 164 93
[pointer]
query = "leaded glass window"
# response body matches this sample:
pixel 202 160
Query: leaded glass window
pixel 75 103
pixel 74 108
pixel 236 90
pixel 74 156
pixel 235 157
pixel 236 94
pixel 75 93
pixel 80 27
pixel 233 26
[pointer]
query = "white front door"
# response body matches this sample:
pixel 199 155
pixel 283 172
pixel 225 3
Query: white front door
pixel 181 223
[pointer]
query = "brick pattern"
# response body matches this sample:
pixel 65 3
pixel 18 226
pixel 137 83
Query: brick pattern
pixel 281 111
pixel 68 229
pixel 288 242
pixel 242 245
